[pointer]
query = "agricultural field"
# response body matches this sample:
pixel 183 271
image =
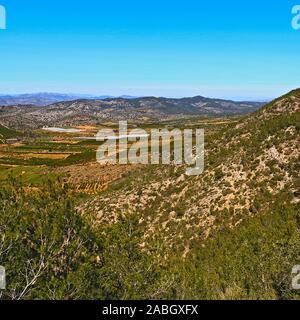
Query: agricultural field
pixel 71 156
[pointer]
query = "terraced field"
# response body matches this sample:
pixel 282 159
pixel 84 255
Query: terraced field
pixel 43 154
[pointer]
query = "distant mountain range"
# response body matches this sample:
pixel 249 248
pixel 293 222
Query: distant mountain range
pixel 96 111
pixel 45 98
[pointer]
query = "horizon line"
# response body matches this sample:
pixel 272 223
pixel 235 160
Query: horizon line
pixel 93 96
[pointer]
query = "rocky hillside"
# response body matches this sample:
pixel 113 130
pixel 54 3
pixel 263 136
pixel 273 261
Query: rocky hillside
pixel 248 167
pixel 114 109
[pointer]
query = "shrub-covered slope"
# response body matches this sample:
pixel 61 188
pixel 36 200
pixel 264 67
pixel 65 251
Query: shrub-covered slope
pixel 247 167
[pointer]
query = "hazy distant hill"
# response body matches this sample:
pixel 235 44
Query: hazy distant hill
pixel 42 99
pixel 93 111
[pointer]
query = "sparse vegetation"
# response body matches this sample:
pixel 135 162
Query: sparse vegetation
pixel 74 231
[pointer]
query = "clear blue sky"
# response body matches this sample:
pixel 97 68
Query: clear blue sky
pixel 233 48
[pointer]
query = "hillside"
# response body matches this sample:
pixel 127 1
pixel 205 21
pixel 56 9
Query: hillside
pixel 152 232
pixel 93 111
pixel 6 133
pixel 248 167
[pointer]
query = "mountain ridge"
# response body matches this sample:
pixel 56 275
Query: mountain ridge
pixel 95 111
pixel 47 98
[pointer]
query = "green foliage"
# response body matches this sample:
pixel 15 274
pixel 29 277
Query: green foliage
pixel 127 272
pixel 47 247
pixel 6 133
pixel 32 176
pixel 253 261
pixel 50 252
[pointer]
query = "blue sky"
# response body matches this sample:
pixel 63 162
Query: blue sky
pixel 231 49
